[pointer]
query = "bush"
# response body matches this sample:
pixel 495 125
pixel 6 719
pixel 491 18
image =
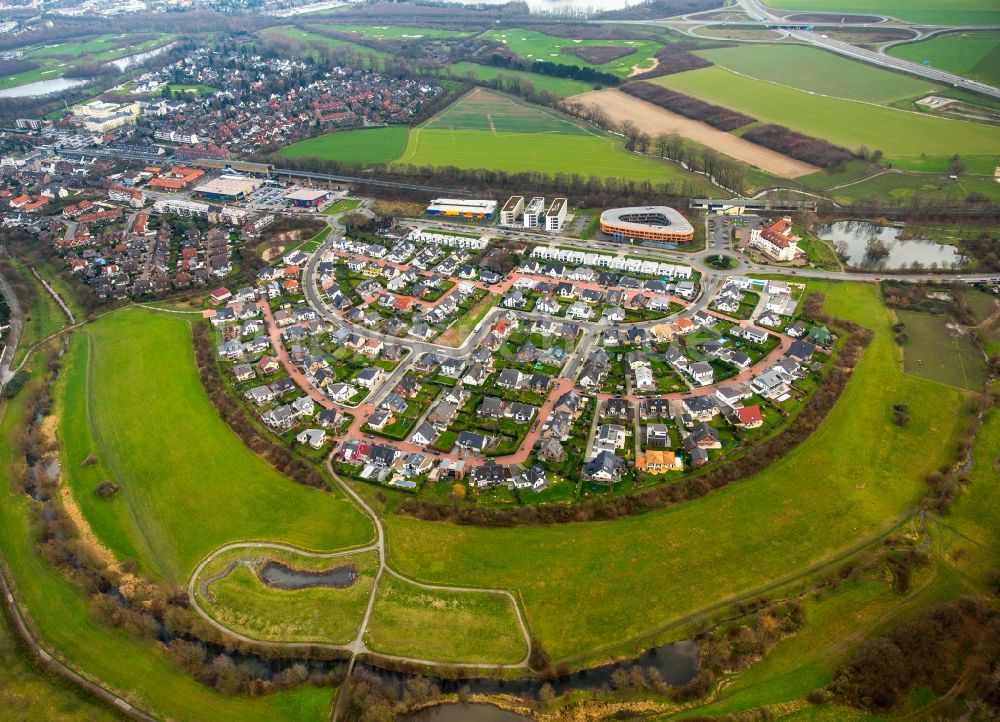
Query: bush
pixel 106 489
pixel 715 115
pixel 801 147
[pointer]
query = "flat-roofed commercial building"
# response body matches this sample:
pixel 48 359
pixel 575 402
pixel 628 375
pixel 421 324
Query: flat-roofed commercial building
pixel 461 208
pixel 555 216
pixel 228 187
pixel 511 212
pixel 181 208
pixel 308 197
pixel 647 223
pixel 534 212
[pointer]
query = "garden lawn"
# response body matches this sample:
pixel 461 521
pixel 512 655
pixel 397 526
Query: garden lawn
pixel 132 397
pixel 593 585
pixel 141 673
pixel 953 12
pixel 897 133
pixel 458 627
pixel 563 87
pixel 373 145
pixel 975 55
pixel 818 71
pixel 243 603
pixel 539 152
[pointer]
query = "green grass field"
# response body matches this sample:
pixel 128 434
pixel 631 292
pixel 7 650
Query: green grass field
pixel 897 187
pixel 563 87
pixel 587 585
pixel 814 70
pixel 453 626
pixel 371 145
pixel 975 55
pixel 487 111
pixel 954 12
pixel 314 44
pixel 342 206
pixel 188 484
pixel 897 133
pixel 243 603
pixel 935 352
pixel 533 45
pixel 393 32
pixel 198 89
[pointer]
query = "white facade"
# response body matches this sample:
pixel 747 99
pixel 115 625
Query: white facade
pixel 555 216
pixel 512 211
pixel 534 212
pixel 447 239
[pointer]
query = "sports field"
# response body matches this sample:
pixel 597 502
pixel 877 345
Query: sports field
pixel 371 145
pixel 587 585
pixel 469 627
pixel 939 353
pixel 533 45
pixel 188 484
pixel 897 133
pixel 244 604
pixel 975 55
pixel 563 87
pixel 814 70
pixel 953 12
pixel 483 110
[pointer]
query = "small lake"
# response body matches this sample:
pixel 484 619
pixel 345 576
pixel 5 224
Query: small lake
pixel 275 574
pixel 42 87
pixel 464 712
pixel 857 238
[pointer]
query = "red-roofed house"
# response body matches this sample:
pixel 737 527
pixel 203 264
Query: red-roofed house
pixel 776 240
pixel 749 417
pixel 221 295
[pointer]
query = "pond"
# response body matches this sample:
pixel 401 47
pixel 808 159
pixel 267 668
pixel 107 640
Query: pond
pixel 277 575
pixel 877 247
pixel 42 87
pixel 464 712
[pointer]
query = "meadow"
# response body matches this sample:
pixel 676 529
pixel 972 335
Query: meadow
pixel 897 133
pixel 937 353
pixel 458 627
pixel 370 145
pixel 586 586
pixel 953 12
pixel 309 43
pixel 243 603
pixel 814 70
pixel 393 32
pixel 188 484
pixel 902 187
pixel 975 55
pixel 483 110
pixel 563 87
pixel 533 45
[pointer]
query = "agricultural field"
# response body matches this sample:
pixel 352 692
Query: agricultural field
pixel 975 55
pixel 454 626
pixel 936 351
pixel 731 543
pixel 817 71
pixel 533 45
pixel 563 87
pixel 852 124
pixel 482 110
pixel 169 514
pixel 367 146
pixel 954 12
pixel 242 602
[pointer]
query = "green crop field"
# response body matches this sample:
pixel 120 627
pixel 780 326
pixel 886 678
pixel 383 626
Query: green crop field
pixel 935 352
pixel 242 602
pixel 817 71
pixel 483 110
pixel 371 145
pixel 586 585
pixel 975 55
pixel 392 32
pixel 533 45
pixel 897 133
pixel 953 12
pixel 456 627
pixel 188 484
pixel 563 87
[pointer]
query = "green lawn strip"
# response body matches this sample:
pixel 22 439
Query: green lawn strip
pixel 457 627
pixel 188 484
pixel 935 352
pixel 342 206
pixel 60 613
pixel 42 319
pixel 843 122
pixel 838 488
pixel 974 54
pixel 370 145
pixel 456 334
pixel 813 70
pixel 199 89
pixel 243 603
pixel 563 87
pixel 954 12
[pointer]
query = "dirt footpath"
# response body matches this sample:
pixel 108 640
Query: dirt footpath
pixel 654 120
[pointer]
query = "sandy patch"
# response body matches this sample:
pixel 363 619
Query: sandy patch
pixel 652 119
pixel 271 253
pixel 638 69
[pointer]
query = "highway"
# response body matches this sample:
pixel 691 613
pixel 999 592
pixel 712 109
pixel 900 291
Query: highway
pixel 756 10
